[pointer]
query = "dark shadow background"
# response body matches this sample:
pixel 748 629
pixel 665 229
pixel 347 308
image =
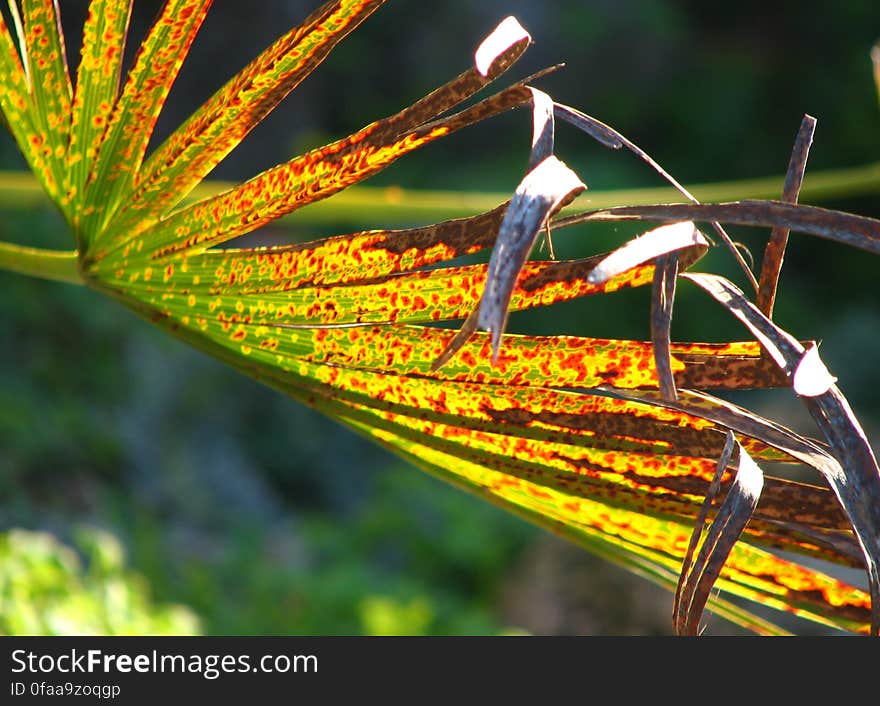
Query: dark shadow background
pixel 266 518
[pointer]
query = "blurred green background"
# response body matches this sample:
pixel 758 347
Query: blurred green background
pixel 146 488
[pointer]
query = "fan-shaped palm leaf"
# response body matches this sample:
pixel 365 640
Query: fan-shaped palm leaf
pixel 343 323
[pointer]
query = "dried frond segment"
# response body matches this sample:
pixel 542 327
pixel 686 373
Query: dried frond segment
pixel 609 137
pixel 648 246
pixel 547 186
pixel 847 228
pixel 697 579
pixel 508 33
pixel 545 189
pixel 774 253
pixel 662 298
pixel 856 480
pixel 97 88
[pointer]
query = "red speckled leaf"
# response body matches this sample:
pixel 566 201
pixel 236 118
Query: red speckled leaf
pixel 314 176
pixel 434 295
pixel 131 123
pixel 568 432
pixel 653 543
pixel 97 87
pixel 323 171
pixel 198 145
pixel 564 470
pixel 49 83
pixel 19 112
pixel 653 546
pixel 781 587
pixel 343 259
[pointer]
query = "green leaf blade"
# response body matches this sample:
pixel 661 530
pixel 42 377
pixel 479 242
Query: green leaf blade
pixel 131 125
pixel 211 133
pixel 97 88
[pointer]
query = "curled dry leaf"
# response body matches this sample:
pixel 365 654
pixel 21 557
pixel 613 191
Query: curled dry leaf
pixel 649 245
pixel 543 128
pixel 541 193
pixel 774 253
pixel 856 481
pixel 547 186
pixel 544 190
pixel 662 298
pixel 696 581
pixel 507 34
pixel 847 228
pixel 811 378
pixel 609 137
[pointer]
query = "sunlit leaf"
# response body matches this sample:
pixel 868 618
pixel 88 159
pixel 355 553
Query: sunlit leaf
pixel 20 113
pixel 131 124
pixel 97 87
pixel 50 82
pixel 611 443
pixel 198 145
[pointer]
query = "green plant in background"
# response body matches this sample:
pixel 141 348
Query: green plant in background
pixel 564 431
pixel 48 588
pixel 385 616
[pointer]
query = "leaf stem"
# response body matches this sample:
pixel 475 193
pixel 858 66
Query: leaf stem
pixel 57 265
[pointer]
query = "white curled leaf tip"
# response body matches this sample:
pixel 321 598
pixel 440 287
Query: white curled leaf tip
pixel 553 178
pixel 505 35
pixel 654 243
pixel 542 113
pixel 749 476
pixel 811 378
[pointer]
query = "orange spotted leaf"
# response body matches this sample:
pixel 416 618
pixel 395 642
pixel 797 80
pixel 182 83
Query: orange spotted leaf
pixel 97 87
pixel 49 83
pixel 132 121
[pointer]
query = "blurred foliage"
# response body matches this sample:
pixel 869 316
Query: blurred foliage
pixel 265 518
pixel 385 616
pixel 407 560
pixel 49 588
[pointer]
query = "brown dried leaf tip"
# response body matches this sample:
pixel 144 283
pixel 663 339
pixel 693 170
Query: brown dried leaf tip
pixel 697 580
